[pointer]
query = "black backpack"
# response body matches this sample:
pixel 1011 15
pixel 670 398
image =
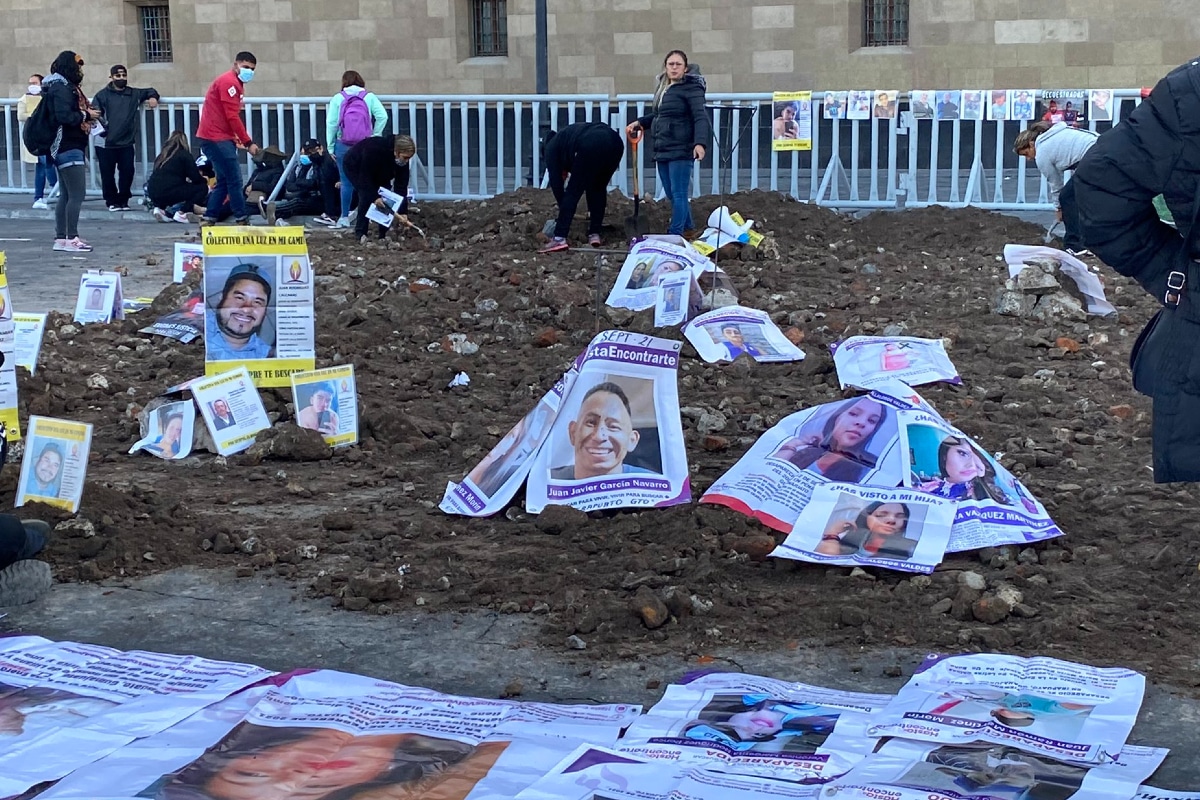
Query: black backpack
pixel 40 129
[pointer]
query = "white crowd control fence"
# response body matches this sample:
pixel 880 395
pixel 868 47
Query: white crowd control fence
pixel 471 148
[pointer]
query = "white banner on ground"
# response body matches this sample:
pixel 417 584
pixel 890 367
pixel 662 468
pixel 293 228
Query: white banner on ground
pixel 646 265
pixel 1046 706
pixel 8 353
pixel 100 298
pixel 169 431
pixel 29 330
pixel 756 726
pixel 326 401
pixel 1151 793
pixel 726 333
pixel 671 302
pixel 903 770
pixel 852 525
pixel 850 441
pixel 55 464
pixel 189 257
pixel 618 439
pixel 868 361
pixel 232 409
pixel 67 705
pixel 493 482
pixel 591 772
pixel 1015 255
pixel 994 508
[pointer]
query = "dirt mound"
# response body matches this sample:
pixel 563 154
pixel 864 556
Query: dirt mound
pixel 363 527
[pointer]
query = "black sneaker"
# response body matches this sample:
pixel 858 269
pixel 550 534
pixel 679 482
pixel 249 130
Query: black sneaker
pixel 37 534
pixel 242 221
pixel 23 582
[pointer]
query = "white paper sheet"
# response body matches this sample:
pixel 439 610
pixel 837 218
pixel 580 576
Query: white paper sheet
pixel 731 331
pixel 868 361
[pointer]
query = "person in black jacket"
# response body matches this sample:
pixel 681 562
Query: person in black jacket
pixel 119 104
pixel 74 118
pixel 681 131
pixel 379 162
pixel 176 187
pixel 1155 150
pixel 269 166
pixel 589 152
pixel 307 188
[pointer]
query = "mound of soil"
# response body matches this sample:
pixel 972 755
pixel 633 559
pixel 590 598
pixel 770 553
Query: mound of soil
pixel 363 528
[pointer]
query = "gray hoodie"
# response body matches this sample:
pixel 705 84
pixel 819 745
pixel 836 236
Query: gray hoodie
pixel 1059 149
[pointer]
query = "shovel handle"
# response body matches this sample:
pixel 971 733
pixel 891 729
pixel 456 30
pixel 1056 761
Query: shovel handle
pixel 634 138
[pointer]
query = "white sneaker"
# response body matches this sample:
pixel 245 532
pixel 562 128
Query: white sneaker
pixel 60 244
pixel 40 205
pixel 343 222
pixel 76 245
pixel 114 209
pixel 281 223
pixel 182 217
pixel 160 215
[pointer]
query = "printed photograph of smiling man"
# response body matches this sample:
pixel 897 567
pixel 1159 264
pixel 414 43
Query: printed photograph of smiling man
pixel 611 429
pixel 239 314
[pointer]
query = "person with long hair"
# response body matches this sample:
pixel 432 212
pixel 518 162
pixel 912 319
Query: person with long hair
pixel 176 187
pixel 379 162
pixel 880 530
pixel 43 172
pixel 679 126
pixel 75 118
pixel 964 474
pixel 1057 148
pixel 760 723
pixel 354 114
pixel 841 452
pixel 170 442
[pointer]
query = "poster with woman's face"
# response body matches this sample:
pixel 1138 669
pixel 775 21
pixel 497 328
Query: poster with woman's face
pixel 841 441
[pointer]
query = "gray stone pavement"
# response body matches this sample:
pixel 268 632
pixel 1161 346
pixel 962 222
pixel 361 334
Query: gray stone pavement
pixel 257 620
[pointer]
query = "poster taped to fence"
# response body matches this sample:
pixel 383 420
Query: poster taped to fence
pixel 494 481
pixel 326 401
pixel 618 439
pixel 55 463
pixel 258 302
pixel 29 330
pixel 648 262
pixel 8 351
pixel 1046 706
pixel 232 409
pixel 750 725
pixel 1064 105
pixel 727 333
pixel 852 525
pixel 792 126
pixel 869 361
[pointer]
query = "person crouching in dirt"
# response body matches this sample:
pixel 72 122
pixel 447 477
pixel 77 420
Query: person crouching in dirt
pixel 588 152
pixel 1057 148
pixel 379 162
pixel 1156 150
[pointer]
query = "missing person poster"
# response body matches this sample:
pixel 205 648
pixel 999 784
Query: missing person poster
pixel 29 331
pixel 869 361
pixel 55 463
pixel 100 298
pixel 494 481
pixel 671 304
pixel 922 103
pixel 232 409
pixel 186 323
pixel 834 106
pixel 858 526
pixel 326 401
pixel 858 104
pixel 258 303
pixel 792 126
pixel 8 352
pixel 727 333
pixel 1100 105
pixel 887 101
pixel 617 440
pixel 189 257
pixel 647 264
pixel 1043 705
pixel 1064 105
pixel 169 430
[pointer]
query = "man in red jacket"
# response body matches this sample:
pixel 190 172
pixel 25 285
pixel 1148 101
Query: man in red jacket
pixel 222 134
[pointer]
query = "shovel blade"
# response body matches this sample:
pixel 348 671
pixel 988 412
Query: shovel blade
pixel 636 225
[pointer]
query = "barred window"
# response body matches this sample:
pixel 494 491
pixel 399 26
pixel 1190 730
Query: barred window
pixel 155 24
pixel 489 27
pixel 885 22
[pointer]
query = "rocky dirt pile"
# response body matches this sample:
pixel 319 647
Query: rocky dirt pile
pixel 1053 397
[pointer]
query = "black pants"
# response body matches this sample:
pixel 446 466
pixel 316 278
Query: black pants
pixel 112 160
pixel 1070 217
pixel 194 194
pixel 597 156
pixel 331 196
pixel 305 205
pixel 16 543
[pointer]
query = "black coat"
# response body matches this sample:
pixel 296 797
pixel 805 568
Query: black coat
pixel 589 152
pixel 1155 150
pixel 120 107
pixel 680 122
pixel 62 99
pixel 180 170
pixel 371 165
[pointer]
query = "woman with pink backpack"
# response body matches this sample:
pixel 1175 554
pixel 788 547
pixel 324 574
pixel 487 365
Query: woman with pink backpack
pixel 354 115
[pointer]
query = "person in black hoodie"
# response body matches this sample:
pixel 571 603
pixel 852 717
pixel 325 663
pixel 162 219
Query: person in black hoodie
pixel 307 189
pixel 119 103
pixel 679 125
pixel 74 118
pixel 589 152
pixel 176 187
pixel 1155 150
pixel 379 162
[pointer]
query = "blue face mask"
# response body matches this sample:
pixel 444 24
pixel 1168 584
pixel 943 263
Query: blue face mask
pixel 305 160
pixel 245 74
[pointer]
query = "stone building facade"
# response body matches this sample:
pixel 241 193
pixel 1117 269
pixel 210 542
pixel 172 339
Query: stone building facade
pixel 605 46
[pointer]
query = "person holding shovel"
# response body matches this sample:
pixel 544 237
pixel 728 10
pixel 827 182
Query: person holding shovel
pixel 1057 148
pixel 581 159
pixel 379 162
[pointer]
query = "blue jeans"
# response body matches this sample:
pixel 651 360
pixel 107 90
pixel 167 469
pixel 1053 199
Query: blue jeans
pixel 225 163
pixel 347 190
pixel 43 174
pixel 676 178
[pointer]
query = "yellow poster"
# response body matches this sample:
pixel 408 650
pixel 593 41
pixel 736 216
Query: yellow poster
pixel 791 125
pixel 55 463
pixel 258 303
pixel 8 348
pixel 326 401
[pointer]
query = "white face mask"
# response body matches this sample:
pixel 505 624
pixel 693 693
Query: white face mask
pixel 33 89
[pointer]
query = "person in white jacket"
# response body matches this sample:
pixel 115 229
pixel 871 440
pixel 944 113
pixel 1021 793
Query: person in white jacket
pixel 1056 149
pixel 342 130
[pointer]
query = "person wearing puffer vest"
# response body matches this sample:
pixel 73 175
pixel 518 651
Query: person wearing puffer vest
pixel 680 130
pixel 352 84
